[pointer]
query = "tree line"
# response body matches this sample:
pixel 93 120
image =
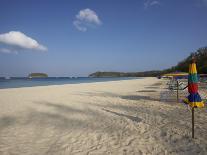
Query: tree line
pixel 201 60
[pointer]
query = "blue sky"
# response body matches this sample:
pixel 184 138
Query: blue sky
pixel 78 37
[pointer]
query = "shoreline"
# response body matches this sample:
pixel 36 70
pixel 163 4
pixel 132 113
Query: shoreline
pixel 73 82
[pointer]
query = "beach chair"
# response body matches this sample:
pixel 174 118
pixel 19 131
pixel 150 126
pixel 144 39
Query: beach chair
pixel 175 86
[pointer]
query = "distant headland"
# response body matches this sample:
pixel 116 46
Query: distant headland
pixel 125 74
pixel 201 60
pixel 37 75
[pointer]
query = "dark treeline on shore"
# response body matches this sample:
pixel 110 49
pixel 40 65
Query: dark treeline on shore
pixel 122 74
pixel 201 60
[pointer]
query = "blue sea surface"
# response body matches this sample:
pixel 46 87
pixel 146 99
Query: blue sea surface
pixel 26 82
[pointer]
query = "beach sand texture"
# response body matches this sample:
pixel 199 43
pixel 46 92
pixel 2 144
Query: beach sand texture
pixel 118 117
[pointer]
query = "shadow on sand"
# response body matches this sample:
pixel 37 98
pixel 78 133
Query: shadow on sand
pixel 146 91
pixel 160 97
pixel 135 119
pixel 7 121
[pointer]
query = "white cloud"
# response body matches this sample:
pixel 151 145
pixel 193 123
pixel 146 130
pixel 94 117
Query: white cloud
pixel 19 39
pixel 86 18
pixel 77 24
pixel 149 3
pixel 4 50
pixel 8 51
pixel 88 15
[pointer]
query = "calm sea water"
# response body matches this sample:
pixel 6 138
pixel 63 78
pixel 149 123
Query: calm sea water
pixel 25 82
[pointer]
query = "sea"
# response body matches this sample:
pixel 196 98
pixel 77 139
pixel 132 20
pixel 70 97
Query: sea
pixel 18 82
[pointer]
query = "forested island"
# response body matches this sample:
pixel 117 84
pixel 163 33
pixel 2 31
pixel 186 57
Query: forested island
pixel 201 60
pixel 37 75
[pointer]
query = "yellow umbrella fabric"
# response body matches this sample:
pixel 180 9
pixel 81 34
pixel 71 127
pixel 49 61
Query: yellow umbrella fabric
pixel 194 99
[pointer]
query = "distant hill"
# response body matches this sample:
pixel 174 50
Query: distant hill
pixel 122 74
pixel 200 56
pixel 37 75
pixel 201 61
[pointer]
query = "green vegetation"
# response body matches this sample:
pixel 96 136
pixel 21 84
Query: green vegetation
pixel 121 74
pixel 201 60
pixel 37 75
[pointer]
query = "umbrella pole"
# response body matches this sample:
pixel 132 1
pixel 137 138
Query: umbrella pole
pixel 177 92
pixel 192 122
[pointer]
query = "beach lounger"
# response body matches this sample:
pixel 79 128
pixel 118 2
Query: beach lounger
pixel 181 86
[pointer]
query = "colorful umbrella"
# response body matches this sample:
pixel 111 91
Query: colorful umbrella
pixel 193 100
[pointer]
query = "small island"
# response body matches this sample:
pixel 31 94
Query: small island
pixel 37 75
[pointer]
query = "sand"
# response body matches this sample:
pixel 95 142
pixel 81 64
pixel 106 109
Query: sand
pixel 120 117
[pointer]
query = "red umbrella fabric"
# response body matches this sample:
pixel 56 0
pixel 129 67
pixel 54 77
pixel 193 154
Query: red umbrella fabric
pixel 194 99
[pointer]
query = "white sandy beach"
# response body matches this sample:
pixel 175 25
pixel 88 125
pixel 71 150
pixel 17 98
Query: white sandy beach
pixel 119 117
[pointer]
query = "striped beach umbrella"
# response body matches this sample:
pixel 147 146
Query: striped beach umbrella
pixel 193 100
